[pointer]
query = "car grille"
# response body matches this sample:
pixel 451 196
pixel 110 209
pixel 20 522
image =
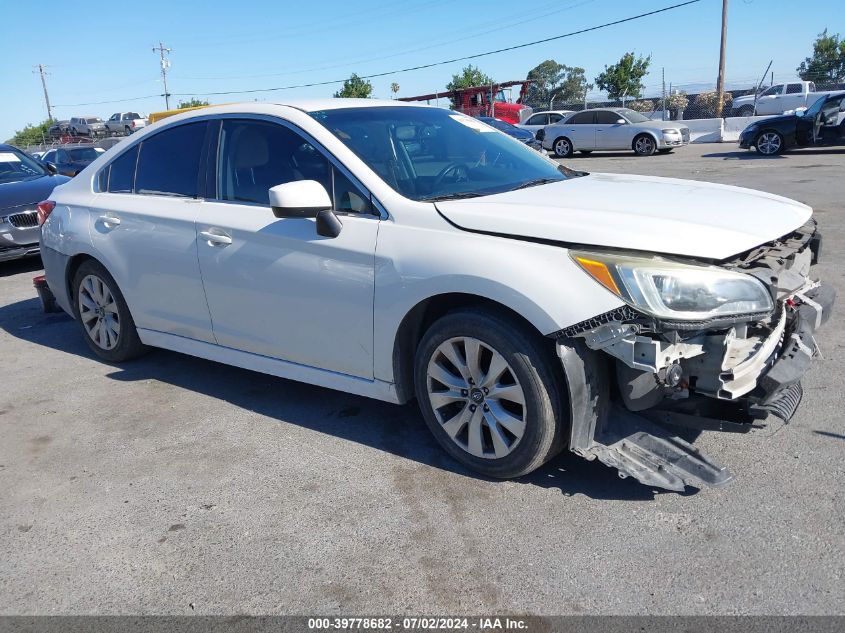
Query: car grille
pixel 24 220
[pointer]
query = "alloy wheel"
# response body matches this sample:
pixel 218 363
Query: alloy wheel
pixel 476 397
pixel 562 147
pixel 769 143
pixel 644 145
pixel 98 312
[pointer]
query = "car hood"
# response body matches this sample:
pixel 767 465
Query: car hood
pixel 15 194
pixel 643 213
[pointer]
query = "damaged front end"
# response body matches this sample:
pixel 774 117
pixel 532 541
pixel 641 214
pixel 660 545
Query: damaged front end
pixel 633 375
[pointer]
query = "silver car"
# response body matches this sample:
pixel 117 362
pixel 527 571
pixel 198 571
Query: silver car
pixel 612 129
pixel 125 123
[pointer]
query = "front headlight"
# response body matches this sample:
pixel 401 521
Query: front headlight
pixel 674 291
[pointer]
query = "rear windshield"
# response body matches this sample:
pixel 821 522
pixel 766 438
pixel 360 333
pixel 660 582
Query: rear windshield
pixel 84 153
pixel 132 115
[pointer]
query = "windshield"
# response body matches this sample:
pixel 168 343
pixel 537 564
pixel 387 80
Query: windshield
pixel 84 153
pixel 633 116
pixel 16 166
pixel 814 109
pixel 432 153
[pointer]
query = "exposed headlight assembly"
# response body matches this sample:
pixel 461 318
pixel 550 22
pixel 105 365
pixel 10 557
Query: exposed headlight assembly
pixel 674 291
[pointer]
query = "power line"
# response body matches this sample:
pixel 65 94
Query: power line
pixel 165 64
pixel 412 68
pixel 449 61
pixel 40 69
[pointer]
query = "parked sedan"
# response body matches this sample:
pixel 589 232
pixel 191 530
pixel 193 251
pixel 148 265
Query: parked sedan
pixel 70 160
pixel 523 136
pixel 612 129
pixel 24 182
pixel 539 120
pixel 528 308
pixel 822 124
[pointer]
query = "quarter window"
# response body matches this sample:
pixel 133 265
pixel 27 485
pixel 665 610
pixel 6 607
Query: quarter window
pixel 168 163
pixel 554 118
pixel 121 177
pixel 792 89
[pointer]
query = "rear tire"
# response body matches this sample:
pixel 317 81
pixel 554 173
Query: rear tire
pixel 103 316
pixel 498 411
pixel 562 147
pixel 746 111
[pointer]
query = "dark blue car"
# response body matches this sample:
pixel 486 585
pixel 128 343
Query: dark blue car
pixel 511 130
pixel 24 182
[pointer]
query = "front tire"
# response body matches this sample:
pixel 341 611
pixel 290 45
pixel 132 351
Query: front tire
pixel 644 145
pixel 103 315
pixel 490 393
pixel 769 143
pixel 562 147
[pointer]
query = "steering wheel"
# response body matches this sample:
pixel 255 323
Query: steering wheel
pixel 459 171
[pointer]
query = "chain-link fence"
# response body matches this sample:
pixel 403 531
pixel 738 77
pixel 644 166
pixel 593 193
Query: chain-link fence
pixel 675 106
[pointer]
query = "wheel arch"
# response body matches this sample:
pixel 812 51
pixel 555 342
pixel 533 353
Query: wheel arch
pixel 421 316
pixel 645 133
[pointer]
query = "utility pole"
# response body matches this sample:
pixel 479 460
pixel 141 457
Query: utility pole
pixel 663 97
pixel 40 70
pixel 165 64
pixel 720 82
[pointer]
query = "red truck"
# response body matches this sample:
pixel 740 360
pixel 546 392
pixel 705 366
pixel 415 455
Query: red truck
pixel 487 100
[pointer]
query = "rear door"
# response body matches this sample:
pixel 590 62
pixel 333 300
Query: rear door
pixel 274 287
pixel 581 130
pixel 143 225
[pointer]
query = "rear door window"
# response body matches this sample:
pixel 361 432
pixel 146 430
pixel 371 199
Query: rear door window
pixel 582 118
pixel 168 163
pixel 793 89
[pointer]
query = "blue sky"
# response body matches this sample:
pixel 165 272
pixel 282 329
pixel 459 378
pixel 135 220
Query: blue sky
pixel 225 45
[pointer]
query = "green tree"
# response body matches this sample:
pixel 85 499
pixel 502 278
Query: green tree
pixel 469 77
pixel 827 65
pixel 559 82
pixel 31 134
pixel 355 87
pixel 192 103
pixel 624 79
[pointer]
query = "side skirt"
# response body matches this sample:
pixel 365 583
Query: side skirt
pixel 377 389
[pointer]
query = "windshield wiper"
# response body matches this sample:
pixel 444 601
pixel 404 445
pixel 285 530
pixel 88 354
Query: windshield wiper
pixel 452 196
pixel 536 183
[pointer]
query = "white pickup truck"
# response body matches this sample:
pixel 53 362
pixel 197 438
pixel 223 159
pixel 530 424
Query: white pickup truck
pixel 777 99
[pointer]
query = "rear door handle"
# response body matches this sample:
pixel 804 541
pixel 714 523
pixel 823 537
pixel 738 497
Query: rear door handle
pixel 109 220
pixel 215 239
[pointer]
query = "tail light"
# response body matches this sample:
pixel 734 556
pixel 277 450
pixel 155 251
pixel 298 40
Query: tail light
pixel 45 208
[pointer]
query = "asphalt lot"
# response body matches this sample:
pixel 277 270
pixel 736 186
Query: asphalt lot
pixel 177 485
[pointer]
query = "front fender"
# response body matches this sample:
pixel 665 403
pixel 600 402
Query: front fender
pixel 537 281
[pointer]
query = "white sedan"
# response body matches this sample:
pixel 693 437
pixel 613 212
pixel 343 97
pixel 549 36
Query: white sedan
pixel 539 120
pixel 612 129
pixel 408 252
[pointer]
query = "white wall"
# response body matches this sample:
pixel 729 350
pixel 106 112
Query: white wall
pixel 718 130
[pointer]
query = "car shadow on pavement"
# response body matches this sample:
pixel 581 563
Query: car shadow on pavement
pixel 399 430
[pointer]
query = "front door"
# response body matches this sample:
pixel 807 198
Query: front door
pixel 610 134
pixel 274 287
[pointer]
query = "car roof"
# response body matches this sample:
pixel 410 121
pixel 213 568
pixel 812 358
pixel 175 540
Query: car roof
pixel 5 147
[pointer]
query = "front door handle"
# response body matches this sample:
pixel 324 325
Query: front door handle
pixel 215 239
pixel 109 220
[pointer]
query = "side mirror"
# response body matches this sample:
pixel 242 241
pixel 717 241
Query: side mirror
pixel 621 121
pixel 51 168
pixel 299 199
pixel 306 199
